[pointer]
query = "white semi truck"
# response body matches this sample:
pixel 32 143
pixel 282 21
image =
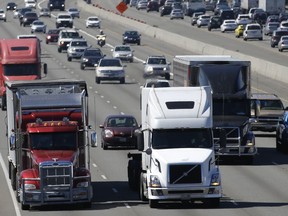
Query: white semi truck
pixel 176 140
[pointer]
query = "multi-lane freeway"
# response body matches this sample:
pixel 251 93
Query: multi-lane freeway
pixel 249 190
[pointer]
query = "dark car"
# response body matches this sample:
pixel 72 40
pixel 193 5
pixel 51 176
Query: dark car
pixel 131 37
pixel 195 17
pixel 52 35
pixel 283 17
pixel 11 6
pixel 152 6
pixel 220 7
pixel 227 14
pixel 22 11
pixel 119 131
pixel 165 10
pixel 214 22
pixel 90 57
pixel 275 37
pixel 259 16
pixel 282 134
pixel 28 18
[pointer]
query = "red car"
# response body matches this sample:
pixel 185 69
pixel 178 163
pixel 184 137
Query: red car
pixel 52 35
pixel 119 131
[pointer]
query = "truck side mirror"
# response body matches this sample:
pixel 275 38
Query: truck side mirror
pixel 140 140
pixel 93 139
pixel 257 108
pixel 12 142
pixel 223 138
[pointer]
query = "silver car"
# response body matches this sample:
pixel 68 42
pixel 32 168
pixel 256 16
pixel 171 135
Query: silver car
pixel 45 12
pixel 176 14
pixel 157 66
pixel 93 21
pixel 74 12
pixel 270 27
pixel 76 49
pixel 38 26
pixel 142 5
pixel 203 20
pixel 283 43
pixel 123 52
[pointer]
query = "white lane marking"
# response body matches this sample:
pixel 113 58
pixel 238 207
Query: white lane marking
pixel 114 107
pixel 122 113
pixel 15 203
pixel 94 165
pixel 114 190
pixel 104 177
pixel 108 102
pixel 127 205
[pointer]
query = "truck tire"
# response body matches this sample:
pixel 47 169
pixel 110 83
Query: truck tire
pixel 3 103
pixel 134 169
pixel 141 191
pixel 153 203
pixel 13 177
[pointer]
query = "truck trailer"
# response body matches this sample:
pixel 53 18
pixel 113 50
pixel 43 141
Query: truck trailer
pixel 230 80
pixel 48 146
pixel 20 59
pixel 272 6
pixel 177 160
pixel 246 5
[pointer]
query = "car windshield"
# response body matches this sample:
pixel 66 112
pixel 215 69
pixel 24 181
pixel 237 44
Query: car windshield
pixel 21 69
pixel 70 35
pixel 181 138
pixel 230 22
pixel 253 27
pixel 284 38
pixel 121 122
pixel 92 53
pixel 79 43
pixel 205 17
pixel 122 48
pixel 64 17
pixel 133 33
pixel 38 23
pixel 73 10
pixel 244 17
pixel 93 19
pixel 156 61
pixel 110 63
pixel 53 31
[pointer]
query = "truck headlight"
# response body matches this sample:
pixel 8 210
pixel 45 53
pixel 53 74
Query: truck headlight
pixel 82 184
pixel 215 179
pixel 29 187
pixel 108 133
pixel 154 181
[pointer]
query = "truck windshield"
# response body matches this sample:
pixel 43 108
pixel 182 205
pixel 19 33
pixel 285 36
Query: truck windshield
pixel 182 138
pixel 231 107
pixel 53 141
pixel 21 69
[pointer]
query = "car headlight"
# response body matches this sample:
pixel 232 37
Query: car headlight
pixel 73 49
pixel 29 187
pixel 149 69
pixel 61 42
pixel 215 179
pixel 116 54
pixel 48 37
pixel 108 133
pixel 83 184
pixel 85 59
pixel 130 55
pixel 154 181
pixel 125 37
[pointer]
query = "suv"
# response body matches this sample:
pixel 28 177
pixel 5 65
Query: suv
pixel 123 52
pixel 253 31
pixel 65 37
pixel 131 37
pixel 28 18
pixel 76 48
pixel 267 109
pixel 110 69
pixel 90 57
pixel 275 37
pixel 56 4
pixel 157 66
pixel 64 20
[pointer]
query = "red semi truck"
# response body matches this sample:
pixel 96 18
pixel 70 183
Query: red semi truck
pixel 20 59
pixel 48 145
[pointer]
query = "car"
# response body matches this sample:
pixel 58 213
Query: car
pixel 275 37
pixel 64 20
pixel 228 25
pixel 243 19
pixel 45 12
pixel 152 6
pixel 90 57
pixel 253 31
pixel 133 3
pixel 22 11
pixel 220 7
pixel 283 43
pixel 142 5
pixel 132 37
pixel 74 12
pixel 283 25
pixel 76 48
pixel 215 22
pixel 267 110
pixel 239 31
pixel 157 66
pixel 227 14
pixel 251 11
pixel 30 3
pixel 156 83
pixel 2 15
pixel 195 17
pixel 176 14
pixel 259 16
pixel 28 18
pixel 52 35
pixel 123 52
pixel 282 134
pixel 38 26
pixel 65 37
pixel 203 20
pixel 110 69
pixel 119 131
pixel 270 27
pixel 93 21
pixel 283 16
pixel 272 18
pixel 165 10
pixel 11 6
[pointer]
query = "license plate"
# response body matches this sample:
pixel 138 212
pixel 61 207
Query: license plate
pixel 122 139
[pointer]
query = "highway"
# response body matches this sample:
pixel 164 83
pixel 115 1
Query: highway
pixel 248 190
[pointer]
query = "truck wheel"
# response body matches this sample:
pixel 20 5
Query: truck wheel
pixel 214 202
pixel 248 160
pixel 134 169
pixel 13 177
pixel 3 103
pixel 141 191
pixel 153 203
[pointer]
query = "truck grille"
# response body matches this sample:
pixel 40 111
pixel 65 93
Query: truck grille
pixel 185 174
pixel 56 173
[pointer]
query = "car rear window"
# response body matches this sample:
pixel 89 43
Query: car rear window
pixel 253 27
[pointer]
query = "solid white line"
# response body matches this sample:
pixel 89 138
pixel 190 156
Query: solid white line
pixel 15 203
pixel 104 177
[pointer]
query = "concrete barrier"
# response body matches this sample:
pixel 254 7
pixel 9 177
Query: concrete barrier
pixel 265 68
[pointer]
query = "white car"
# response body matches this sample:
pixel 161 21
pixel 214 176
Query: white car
pixel 142 4
pixel 2 15
pixel 93 21
pixel 123 52
pixel 177 14
pixel 253 31
pixel 243 19
pixel 38 26
pixel 283 25
pixel 203 20
pixel 110 69
pixel 30 3
pixel 74 12
pixel 228 25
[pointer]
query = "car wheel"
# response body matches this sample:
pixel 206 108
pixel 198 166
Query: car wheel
pixel 261 38
pixel 97 79
pixel 69 59
pixel 280 50
pixel 105 146
pixel 82 66
pixel 278 146
pixel 122 80
pixel 131 60
pixel 198 26
pixel 171 18
pixel 47 42
pixel 59 50
pixel 272 45
pixel 138 43
pixel 209 29
pixel 245 39
pixel 223 31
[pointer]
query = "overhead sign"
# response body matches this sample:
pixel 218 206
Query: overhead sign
pixel 121 7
